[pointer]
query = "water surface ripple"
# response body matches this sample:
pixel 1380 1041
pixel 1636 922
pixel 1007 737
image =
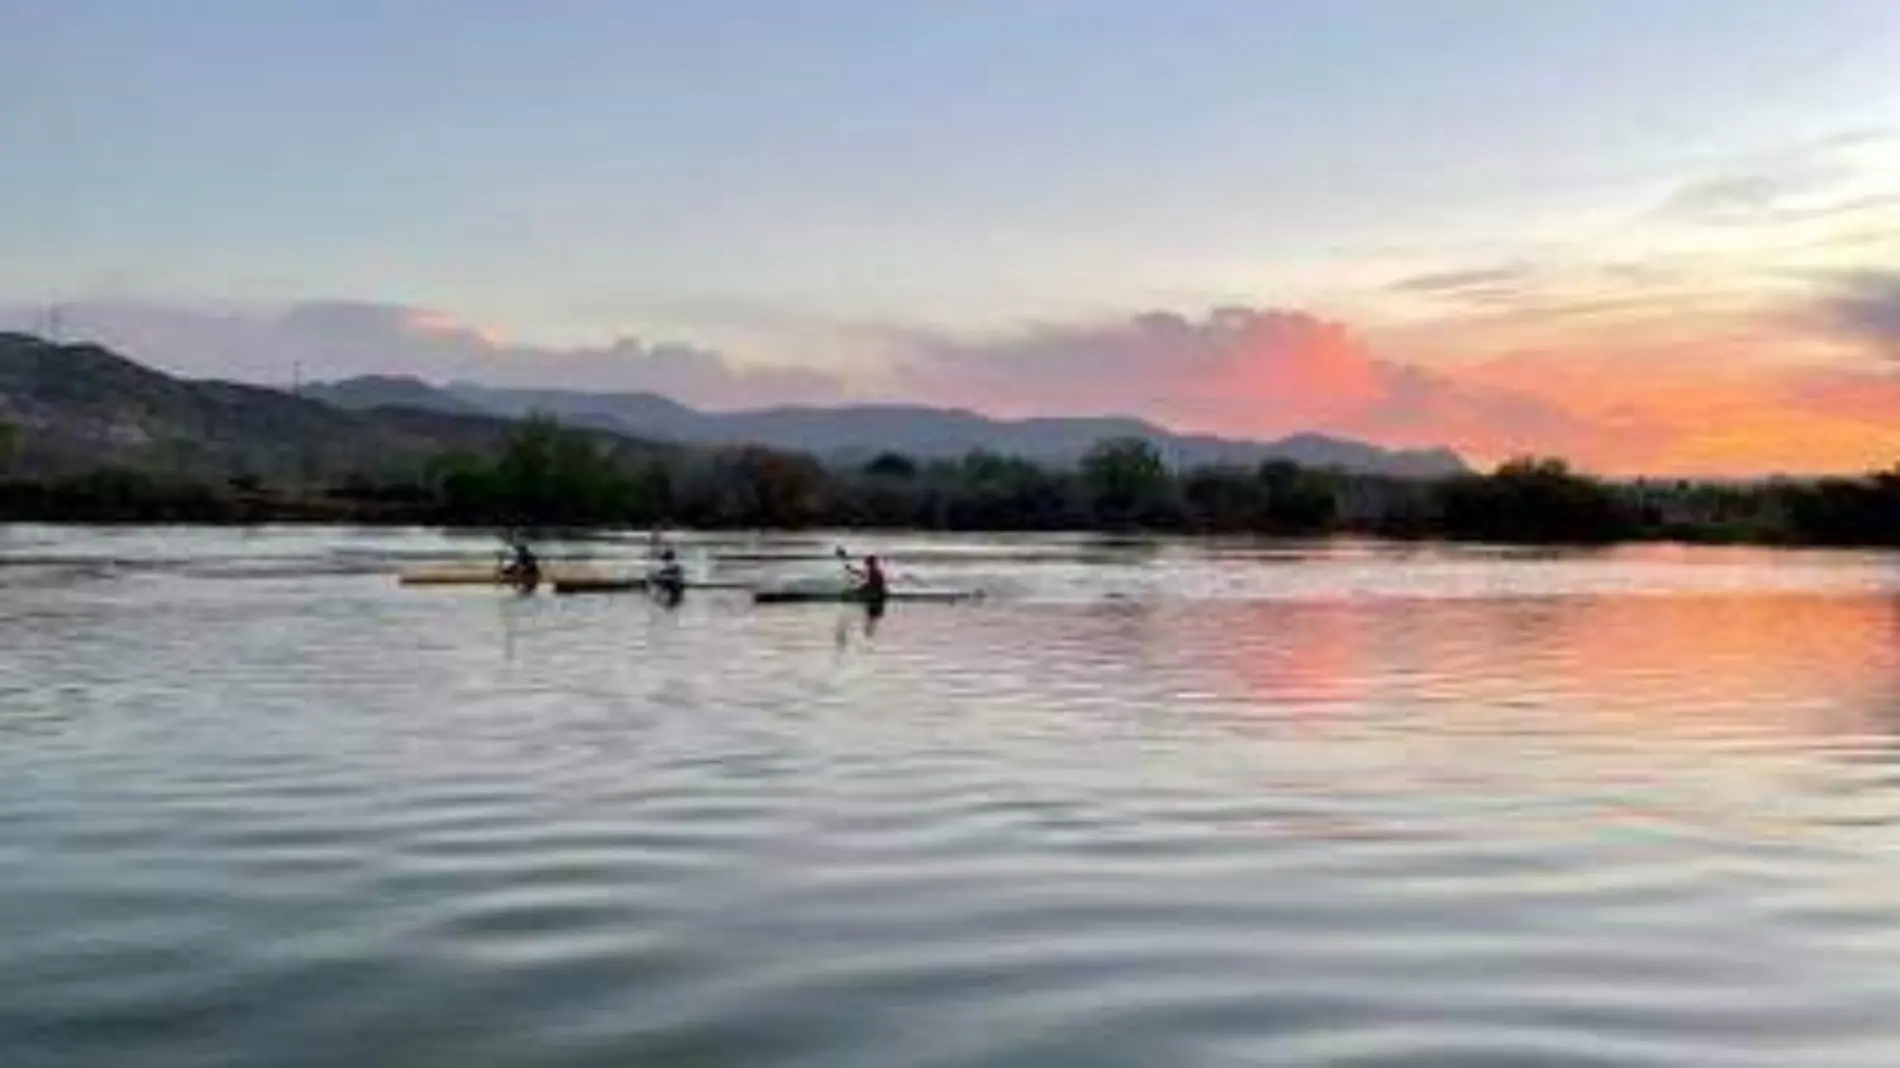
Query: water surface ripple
pixel 1353 806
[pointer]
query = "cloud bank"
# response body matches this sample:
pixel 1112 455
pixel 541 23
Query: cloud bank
pixel 1236 371
pixel 338 339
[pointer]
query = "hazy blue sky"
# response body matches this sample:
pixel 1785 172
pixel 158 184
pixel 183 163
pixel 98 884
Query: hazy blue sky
pixel 563 163
pixel 826 182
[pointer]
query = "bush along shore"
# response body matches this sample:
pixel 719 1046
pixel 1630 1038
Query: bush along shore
pixel 548 475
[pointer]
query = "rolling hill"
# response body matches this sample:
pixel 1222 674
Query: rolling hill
pixel 854 433
pixel 75 408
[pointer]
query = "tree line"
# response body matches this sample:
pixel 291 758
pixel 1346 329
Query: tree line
pixel 546 474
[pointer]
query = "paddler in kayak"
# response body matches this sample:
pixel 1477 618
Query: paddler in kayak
pixel 867 581
pixel 522 567
pixel 669 579
pixel 870 579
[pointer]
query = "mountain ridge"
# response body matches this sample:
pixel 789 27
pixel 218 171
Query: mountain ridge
pixel 84 405
pixel 857 432
pixel 78 407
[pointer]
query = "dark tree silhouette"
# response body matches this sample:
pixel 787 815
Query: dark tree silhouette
pixel 544 473
pixel 1126 480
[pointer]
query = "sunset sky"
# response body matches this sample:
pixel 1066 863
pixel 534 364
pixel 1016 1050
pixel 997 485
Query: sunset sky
pixel 1652 237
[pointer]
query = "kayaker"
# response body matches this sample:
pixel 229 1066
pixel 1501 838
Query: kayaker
pixel 871 583
pixel 669 577
pixel 523 565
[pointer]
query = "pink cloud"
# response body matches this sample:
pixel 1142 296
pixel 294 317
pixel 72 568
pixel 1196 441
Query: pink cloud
pixel 1236 371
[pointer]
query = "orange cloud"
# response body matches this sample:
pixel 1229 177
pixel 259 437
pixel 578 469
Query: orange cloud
pixel 1711 407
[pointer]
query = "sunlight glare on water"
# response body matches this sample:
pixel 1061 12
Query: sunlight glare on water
pixel 1176 804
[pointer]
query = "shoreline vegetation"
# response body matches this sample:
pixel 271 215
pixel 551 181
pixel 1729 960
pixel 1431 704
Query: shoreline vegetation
pixel 543 474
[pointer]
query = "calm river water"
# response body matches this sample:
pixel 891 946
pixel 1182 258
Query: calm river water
pixel 1178 804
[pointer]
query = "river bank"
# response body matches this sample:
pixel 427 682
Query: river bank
pixel 124 502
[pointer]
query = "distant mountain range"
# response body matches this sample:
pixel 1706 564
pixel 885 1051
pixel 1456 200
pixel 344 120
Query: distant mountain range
pixel 858 432
pixel 80 407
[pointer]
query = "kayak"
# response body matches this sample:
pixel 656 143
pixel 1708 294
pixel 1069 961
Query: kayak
pixel 608 584
pixel 476 576
pixel 853 596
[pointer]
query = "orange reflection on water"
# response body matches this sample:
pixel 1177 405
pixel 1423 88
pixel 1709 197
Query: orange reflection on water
pixel 1795 663
pixel 1623 714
